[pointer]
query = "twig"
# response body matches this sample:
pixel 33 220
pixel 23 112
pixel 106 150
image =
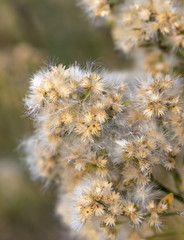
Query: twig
pixel 164 214
pixel 167 190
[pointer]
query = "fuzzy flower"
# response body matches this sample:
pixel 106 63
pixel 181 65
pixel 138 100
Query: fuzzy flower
pixel 143 22
pixel 100 140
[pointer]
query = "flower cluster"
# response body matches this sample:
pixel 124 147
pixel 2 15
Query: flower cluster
pixel 142 22
pixel 153 27
pixel 100 136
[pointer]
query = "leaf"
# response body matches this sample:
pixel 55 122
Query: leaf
pixel 168 199
pixel 126 103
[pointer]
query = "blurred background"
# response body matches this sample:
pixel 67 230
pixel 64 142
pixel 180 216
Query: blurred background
pixel 33 34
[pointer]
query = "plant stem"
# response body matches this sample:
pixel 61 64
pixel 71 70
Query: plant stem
pixel 169 214
pixel 167 190
pixel 164 214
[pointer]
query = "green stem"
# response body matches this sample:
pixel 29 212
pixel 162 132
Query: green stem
pixel 164 214
pixel 85 95
pixel 169 214
pixel 167 190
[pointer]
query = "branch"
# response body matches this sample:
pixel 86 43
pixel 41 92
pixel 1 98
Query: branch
pixel 167 190
pixel 164 214
pixel 169 213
